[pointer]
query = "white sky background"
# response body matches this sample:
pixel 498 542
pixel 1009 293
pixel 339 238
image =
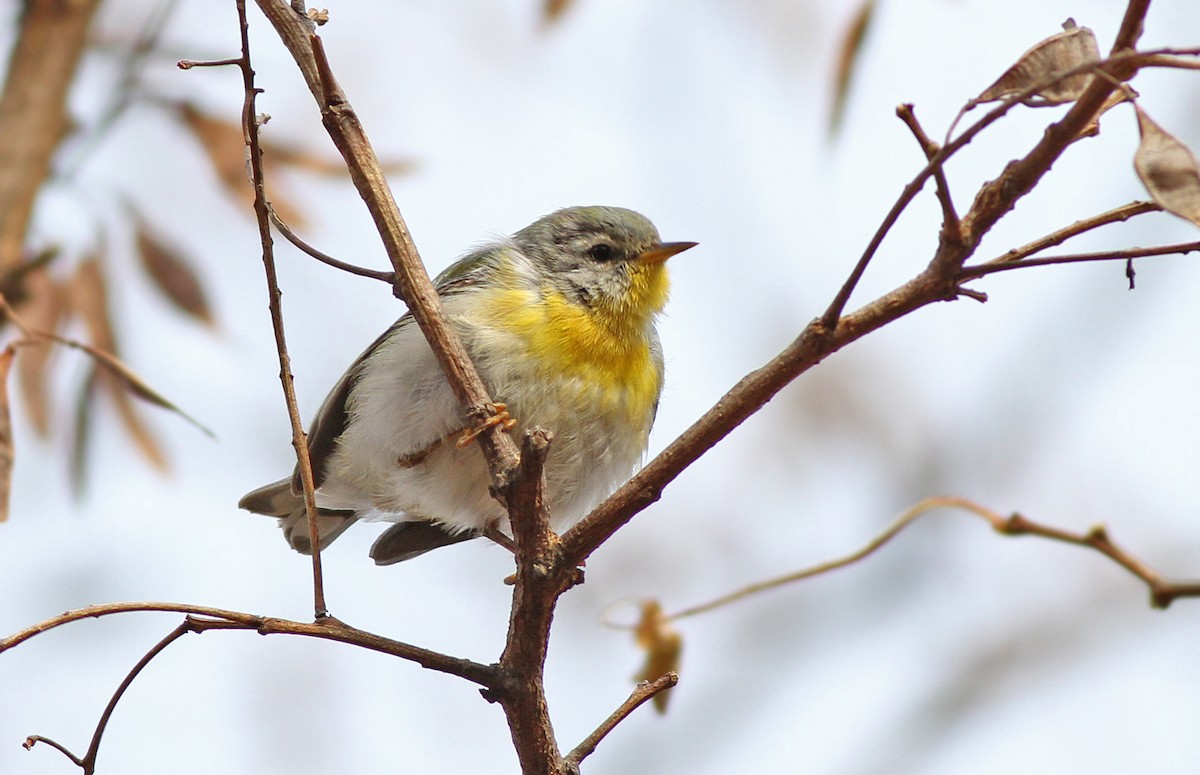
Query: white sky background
pixel 1066 397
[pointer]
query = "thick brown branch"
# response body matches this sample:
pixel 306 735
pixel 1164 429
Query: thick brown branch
pixel 540 580
pixel 813 345
pixel 33 108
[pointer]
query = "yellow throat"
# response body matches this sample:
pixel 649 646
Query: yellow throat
pixel 605 345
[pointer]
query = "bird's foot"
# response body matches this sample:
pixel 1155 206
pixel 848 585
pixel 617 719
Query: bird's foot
pixel 499 417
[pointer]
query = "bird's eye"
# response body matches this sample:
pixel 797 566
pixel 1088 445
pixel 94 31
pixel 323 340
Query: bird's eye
pixel 601 252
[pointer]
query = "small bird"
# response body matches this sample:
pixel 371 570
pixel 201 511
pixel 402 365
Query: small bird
pixel 559 320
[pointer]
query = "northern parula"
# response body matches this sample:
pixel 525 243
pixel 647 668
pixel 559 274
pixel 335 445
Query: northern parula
pixel 559 321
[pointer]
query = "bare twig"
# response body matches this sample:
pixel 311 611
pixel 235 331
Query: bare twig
pixel 951 225
pixel 1162 591
pixel 644 691
pixel 1128 254
pixel 219 618
pixel 262 215
pixel 1055 238
pixel 88 763
pixel 33 739
pixel 325 258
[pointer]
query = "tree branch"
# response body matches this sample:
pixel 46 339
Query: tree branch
pixel 821 338
pixel 1055 238
pixel 33 108
pixel 262 217
pixel 1162 591
pixel 646 690
pixel 220 618
pixel 412 281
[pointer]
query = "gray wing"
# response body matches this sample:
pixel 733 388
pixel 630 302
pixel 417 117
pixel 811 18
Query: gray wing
pixel 331 417
pixel 330 421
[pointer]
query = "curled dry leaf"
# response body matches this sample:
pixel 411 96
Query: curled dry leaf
pixel 172 273
pixel 663 646
pixel 1168 169
pixel 6 435
pixel 43 311
pixel 848 53
pixel 1071 48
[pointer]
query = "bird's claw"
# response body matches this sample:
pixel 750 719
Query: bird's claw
pixel 499 417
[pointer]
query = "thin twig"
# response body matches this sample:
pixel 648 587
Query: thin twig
pixel 644 691
pixel 1162 591
pixel 220 618
pixel 1055 238
pixel 33 739
pixel 261 212
pixel 991 267
pixel 89 759
pixel 325 258
pixel 188 64
pixel 951 225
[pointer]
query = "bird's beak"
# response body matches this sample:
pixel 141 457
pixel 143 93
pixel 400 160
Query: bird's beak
pixel 664 250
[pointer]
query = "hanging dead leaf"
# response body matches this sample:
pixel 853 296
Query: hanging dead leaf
pixel 848 55
pixel 172 274
pixel 1124 94
pixel 43 311
pixel 82 432
pixel 553 9
pixel 7 456
pixel 663 646
pixel 88 295
pixel 1168 169
pixel 225 146
pixel 90 298
pixel 1073 47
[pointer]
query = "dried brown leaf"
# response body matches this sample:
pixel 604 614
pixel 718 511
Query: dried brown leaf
pixel 848 54
pixel 89 295
pixel 1071 48
pixel 553 9
pixel 663 646
pixel 146 442
pixel 82 432
pixel 43 311
pixel 7 456
pixel 225 146
pixel 172 273
pixel 1168 169
pixel 1124 94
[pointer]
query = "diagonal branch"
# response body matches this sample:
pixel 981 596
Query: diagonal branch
pixel 412 281
pixel 646 690
pixel 833 330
